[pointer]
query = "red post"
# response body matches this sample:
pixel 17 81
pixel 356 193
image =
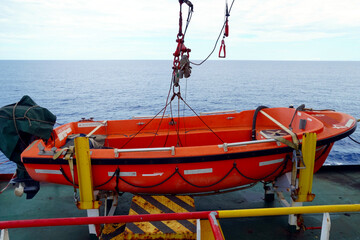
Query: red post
pixel 215 226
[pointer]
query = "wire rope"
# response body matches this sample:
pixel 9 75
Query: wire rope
pixel 217 40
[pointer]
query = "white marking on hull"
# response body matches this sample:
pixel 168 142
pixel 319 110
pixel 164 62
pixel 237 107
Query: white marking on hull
pixel 198 171
pixel 336 126
pixel 64 133
pixel 48 171
pixel 349 123
pixel 271 162
pixel 123 174
pixel 152 174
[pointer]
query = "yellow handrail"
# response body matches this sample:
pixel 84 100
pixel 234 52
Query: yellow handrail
pixel 288 210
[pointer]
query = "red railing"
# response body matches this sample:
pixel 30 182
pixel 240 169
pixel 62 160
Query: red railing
pixel 116 219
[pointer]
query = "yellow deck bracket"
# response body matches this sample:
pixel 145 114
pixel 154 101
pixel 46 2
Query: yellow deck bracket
pixel 83 165
pixel 306 174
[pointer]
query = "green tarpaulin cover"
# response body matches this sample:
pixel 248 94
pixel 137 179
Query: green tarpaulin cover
pixel 20 123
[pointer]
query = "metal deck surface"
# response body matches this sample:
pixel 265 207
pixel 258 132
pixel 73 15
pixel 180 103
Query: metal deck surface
pixel 332 185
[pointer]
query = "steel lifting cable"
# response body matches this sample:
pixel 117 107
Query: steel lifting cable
pixel 226 32
pixel 164 108
pixel 178 125
pixel 13 176
pixel 162 117
pixel 354 140
pixel 191 10
pixel 201 119
pixel 358 120
pixel 179 49
pixel 217 40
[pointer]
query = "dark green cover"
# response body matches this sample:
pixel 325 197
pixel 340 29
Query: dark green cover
pixel 20 123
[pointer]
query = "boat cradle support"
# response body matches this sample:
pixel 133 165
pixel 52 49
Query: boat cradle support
pixel 82 151
pixel 84 173
pixel 303 172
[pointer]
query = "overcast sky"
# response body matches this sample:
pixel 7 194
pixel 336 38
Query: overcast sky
pixel 144 29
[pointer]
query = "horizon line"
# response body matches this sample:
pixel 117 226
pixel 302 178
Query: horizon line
pixel 264 60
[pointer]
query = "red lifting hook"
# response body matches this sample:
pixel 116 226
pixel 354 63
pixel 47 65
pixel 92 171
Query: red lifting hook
pixel 221 48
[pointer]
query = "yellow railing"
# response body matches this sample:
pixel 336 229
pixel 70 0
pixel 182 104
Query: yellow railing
pixel 288 210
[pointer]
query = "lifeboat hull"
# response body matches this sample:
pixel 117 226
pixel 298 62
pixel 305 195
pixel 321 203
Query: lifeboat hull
pixel 192 160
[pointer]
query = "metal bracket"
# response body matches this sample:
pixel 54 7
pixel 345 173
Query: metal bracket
pixel 42 151
pixel 225 146
pixel 297 155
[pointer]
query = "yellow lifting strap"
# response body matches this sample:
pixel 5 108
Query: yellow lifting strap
pixel 69 152
pixel 59 153
pixel 284 141
pixel 69 156
pixel 295 143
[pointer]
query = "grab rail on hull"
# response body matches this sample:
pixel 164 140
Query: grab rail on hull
pixel 172 148
pixel 238 144
pixel 160 149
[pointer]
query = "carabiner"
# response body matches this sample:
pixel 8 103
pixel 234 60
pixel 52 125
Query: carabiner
pixel 221 48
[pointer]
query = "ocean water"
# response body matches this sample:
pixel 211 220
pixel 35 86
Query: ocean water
pixel 122 89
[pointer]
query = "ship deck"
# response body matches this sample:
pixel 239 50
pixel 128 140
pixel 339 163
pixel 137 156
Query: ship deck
pixel 332 185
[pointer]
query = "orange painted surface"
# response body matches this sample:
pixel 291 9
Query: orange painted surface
pixel 197 164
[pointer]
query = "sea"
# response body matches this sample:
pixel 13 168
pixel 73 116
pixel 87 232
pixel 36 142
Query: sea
pixel 121 89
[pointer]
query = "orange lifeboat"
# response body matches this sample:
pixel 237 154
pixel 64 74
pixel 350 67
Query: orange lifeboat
pixel 211 152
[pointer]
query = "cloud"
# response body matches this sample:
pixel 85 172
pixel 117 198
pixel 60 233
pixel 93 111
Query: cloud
pixel 122 25
pixel 304 19
pixel 104 16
